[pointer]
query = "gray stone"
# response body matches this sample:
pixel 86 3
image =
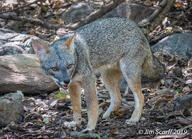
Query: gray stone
pixel 11 108
pixel 132 11
pixel 177 44
pixel 12 24
pixel 10 49
pixel 15 43
pixel 76 12
pixel 22 72
pixel 184 102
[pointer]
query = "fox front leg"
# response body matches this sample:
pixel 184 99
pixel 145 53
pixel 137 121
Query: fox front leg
pixel 75 94
pixel 91 101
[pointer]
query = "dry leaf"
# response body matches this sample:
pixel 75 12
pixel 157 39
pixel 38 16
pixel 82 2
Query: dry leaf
pixel 32 32
pixel 152 90
pixel 178 4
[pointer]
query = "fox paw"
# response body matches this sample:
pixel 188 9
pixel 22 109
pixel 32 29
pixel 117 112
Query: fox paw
pixel 106 115
pixel 70 124
pixel 87 129
pixel 108 112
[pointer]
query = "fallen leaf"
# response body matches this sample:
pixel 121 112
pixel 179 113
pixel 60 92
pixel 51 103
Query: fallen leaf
pixel 178 5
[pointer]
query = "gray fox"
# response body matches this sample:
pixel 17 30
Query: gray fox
pixel 111 46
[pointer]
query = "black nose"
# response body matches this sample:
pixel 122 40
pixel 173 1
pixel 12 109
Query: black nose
pixel 67 81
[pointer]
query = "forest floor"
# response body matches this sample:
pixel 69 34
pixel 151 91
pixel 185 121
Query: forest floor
pixel 45 114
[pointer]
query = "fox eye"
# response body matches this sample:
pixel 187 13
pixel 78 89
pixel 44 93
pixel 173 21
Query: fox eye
pixel 54 68
pixel 69 66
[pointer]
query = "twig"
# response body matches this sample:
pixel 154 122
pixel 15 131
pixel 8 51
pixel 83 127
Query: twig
pixel 30 20
pixel 66 5
pixel 147 20
pixel 21 7
pixel 84 135
pixel 186 127
pixel 158 38
pixel 158 15
pixel 170 136
pixel 62 6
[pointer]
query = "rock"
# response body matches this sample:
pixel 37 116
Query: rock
pixel 76 12
pixel 22 72
pixel 132 11
pixel 189 64
pixel 12 24
pixel 177 44
pixel 186 89
pixel 15 43
pixel 2 23
pixel 10 49
pixel 184 102
pixel 11 108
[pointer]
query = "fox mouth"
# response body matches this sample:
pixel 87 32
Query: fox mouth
pixel 60 84
pixel 65 86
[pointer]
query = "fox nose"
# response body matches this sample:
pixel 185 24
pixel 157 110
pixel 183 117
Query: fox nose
pixel 67 81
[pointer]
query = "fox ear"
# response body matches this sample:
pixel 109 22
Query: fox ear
pixel 69 42
pixel 40 47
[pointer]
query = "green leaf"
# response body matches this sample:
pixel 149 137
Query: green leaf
pixel 98 137
pixel 60 95
pixel 105 137
pixel 46 120
pixel 179 91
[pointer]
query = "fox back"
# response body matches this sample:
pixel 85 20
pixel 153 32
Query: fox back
pixel 107 40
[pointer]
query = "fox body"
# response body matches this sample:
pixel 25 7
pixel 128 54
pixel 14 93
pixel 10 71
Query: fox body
pixel 113 47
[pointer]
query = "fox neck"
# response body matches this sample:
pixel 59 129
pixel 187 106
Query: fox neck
pixel 74 69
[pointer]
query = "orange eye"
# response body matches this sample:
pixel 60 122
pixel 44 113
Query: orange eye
pixel 69 66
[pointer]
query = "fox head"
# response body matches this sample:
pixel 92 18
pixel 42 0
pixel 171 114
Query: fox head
pixel 57 60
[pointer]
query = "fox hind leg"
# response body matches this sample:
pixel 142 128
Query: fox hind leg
pixel 131 70
pixel 111 78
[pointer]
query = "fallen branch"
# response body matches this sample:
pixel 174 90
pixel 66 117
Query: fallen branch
pixel 150 23
pixel 93 16
pixel 30 20
pixel 97 14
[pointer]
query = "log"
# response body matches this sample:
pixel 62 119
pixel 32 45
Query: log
pixel 22 72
